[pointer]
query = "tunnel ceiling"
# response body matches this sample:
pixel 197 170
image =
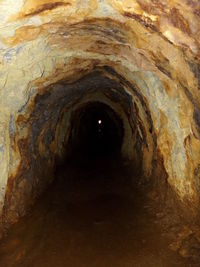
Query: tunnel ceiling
pixel 141 56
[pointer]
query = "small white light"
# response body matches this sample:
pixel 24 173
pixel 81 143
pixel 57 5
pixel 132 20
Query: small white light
pixel 99 121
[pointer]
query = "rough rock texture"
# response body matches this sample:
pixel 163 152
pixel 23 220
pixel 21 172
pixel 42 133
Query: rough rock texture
pixel 141 57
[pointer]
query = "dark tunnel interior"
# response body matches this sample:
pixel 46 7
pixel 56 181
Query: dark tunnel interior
pixel 94 213
pixel 96 132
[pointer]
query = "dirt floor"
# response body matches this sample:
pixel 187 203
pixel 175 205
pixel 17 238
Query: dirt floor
pixel 92 216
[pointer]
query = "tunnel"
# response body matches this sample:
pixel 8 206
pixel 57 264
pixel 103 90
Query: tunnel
pixel 83 164
pixel 89 174
pixel 99 133
pixel 96 131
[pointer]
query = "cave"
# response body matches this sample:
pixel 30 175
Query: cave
pixel 99 133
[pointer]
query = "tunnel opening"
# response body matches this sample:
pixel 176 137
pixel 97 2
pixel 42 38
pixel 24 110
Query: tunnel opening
pixel 96 133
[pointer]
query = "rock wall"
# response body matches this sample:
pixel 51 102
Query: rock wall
pixel 143 56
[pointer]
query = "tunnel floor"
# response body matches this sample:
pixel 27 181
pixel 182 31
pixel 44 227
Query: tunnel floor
pixel 90 216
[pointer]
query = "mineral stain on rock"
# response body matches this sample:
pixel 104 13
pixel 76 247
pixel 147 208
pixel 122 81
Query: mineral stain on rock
pixel 45 7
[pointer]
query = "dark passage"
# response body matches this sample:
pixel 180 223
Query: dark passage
pixel 93 214
pixel 96 132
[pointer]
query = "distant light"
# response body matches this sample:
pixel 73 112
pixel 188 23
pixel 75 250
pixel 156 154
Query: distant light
pixel 99 121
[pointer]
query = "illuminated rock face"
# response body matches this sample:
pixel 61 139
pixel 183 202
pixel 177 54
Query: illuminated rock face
pixel 140 57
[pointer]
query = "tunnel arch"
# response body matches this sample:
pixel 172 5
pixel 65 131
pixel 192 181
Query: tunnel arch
pixel 39 121
pixel 156 96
